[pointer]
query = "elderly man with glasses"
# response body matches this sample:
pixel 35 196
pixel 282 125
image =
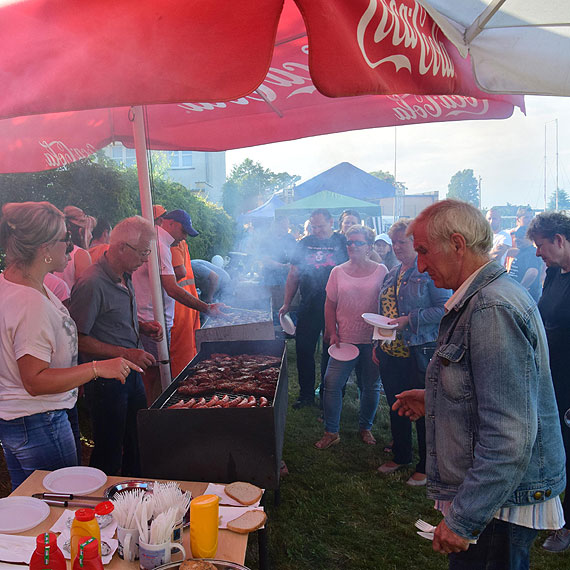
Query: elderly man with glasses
pixel 104 309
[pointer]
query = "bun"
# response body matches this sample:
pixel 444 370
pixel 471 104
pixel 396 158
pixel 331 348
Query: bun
pixel 248 522
pixel 197 565
pixel 244 493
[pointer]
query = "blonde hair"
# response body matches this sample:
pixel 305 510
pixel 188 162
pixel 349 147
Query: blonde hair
pixel 25 226
pixel 448 217
pixel 368 233
pixel 399 226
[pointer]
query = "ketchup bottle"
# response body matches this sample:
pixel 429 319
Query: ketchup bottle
pixel 88 555
pixel 47 554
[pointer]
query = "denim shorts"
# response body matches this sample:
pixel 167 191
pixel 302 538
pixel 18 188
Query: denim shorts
pixel 40 441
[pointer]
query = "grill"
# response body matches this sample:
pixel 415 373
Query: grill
pixel 215 330
pixel 216 444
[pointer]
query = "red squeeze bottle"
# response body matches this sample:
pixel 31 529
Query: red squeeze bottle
pixel 47 554
pixel 88 555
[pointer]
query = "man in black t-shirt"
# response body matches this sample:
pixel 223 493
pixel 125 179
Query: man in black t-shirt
pixel 312 262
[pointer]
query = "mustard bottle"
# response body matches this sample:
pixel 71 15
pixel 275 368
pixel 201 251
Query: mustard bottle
pixel 84 524
pixel 204 513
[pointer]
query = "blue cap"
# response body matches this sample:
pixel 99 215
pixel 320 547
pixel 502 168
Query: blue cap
pixel 184 218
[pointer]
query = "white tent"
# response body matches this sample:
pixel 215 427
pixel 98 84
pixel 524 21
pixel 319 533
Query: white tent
pixel 516 46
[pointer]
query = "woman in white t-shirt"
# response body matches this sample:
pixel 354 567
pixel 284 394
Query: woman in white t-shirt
pixel 352 290
pixel 39 375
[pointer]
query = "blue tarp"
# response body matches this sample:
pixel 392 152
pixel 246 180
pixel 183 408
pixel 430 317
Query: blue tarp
pixel 347 179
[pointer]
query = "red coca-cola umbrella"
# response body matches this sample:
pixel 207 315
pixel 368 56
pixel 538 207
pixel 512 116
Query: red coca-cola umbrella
pixel 255 74
pixel 219 75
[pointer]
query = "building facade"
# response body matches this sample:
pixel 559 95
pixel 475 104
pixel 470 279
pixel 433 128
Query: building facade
pixel 203 173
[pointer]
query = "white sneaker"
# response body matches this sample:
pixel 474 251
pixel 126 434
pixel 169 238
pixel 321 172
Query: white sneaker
pixel 558 541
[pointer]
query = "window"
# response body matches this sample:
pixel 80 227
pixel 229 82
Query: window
pixel 180 158
pixel 123 155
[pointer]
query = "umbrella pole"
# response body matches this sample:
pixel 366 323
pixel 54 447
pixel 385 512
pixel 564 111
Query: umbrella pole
pixel 154 274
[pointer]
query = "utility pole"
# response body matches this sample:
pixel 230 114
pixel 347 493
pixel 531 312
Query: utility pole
pixel 480 197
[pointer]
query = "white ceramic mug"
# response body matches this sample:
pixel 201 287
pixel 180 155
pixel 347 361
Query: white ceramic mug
pixel 128 539
pixel 153 555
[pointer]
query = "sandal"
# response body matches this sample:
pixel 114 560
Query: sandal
pixel 389 447
pixel 367 437
pixel 327 440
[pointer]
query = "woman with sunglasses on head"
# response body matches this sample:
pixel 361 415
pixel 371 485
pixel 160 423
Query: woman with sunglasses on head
pixel 38 345
pixel 413 303
pixel 352 289
pixel 80 227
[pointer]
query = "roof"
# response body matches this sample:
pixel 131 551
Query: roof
pixel 347 179
pixel 332 202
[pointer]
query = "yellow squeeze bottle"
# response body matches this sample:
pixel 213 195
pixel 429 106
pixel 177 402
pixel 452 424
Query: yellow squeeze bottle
pixel 84 524
pixel 204 513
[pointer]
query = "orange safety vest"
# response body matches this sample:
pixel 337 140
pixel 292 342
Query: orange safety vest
pixel 186 320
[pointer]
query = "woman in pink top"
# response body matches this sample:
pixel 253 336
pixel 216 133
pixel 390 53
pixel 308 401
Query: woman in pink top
pixel 352 289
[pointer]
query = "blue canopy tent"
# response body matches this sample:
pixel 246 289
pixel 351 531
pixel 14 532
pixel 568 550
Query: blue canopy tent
pixel 266 210
pixel 346 179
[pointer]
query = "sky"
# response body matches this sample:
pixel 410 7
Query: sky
pixel 508 154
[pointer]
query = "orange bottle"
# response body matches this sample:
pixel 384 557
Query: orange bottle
pixel 204 513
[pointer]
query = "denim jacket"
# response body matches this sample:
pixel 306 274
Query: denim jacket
pixel 421 300
pixel 492 426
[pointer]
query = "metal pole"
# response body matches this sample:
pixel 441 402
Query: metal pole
pixel 154 273
pixel 395 173
pixel 545 195
pixel 557 165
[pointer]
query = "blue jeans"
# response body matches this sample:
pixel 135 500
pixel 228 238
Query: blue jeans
pixel 41 441
pixel 501 546
pixel 113 407
pixel 335 380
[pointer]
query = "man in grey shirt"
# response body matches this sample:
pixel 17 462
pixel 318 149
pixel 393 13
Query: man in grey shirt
pixel 213 281
pixel 104 309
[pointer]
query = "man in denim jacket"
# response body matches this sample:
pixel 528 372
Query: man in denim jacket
pixel 495 460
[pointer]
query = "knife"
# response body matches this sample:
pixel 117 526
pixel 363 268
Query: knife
pixel 67 497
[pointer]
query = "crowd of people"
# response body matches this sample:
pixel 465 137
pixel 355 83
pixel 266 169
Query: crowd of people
pixel 476 364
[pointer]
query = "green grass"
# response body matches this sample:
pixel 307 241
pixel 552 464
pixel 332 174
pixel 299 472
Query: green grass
pixel 337 512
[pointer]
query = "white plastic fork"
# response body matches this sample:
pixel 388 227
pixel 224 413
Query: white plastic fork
pixel 424 526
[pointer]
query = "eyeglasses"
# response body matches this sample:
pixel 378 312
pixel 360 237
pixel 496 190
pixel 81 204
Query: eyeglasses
pixel 357 243
pixel 67 240
pixel 145 253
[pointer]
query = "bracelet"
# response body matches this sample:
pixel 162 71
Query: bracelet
pixel 94 366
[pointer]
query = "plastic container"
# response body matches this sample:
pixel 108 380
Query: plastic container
pixel 84 524
pixel 204 513
pixel 47 554
pixel 88 555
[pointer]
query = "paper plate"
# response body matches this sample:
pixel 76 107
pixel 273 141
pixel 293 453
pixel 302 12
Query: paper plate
pixel 287 324
pixel 379 321
pixel 76 480
pixel 18 514
pixel 345 352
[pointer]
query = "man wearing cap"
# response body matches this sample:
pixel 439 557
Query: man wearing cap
pixel 176 226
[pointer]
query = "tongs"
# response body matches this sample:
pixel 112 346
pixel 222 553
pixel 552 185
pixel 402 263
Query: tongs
pixel 68 499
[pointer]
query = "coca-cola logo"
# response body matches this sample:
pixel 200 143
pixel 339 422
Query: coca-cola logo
pixel 387 25
pixel 290 80
pixel 58 154
pixel 418 107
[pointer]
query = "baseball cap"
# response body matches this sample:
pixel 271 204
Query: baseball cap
pixel 157 211
pixel 383 237
pixel 184 219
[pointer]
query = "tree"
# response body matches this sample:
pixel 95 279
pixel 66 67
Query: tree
pixel 102 189
pixel 389 177
pixel 463 186
pixel 249 185
pixel 563 200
